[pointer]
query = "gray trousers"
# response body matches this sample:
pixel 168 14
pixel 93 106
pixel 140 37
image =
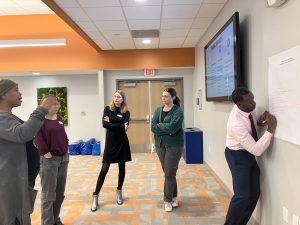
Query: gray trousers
pixel 169 158
pixel 53 173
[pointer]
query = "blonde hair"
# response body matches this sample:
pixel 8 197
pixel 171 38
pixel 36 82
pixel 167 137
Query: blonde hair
pixel 123 107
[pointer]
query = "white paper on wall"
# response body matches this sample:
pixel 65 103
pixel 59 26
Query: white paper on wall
pixel 284 93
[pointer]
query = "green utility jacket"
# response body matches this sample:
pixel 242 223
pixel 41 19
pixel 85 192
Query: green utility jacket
pixel 168 133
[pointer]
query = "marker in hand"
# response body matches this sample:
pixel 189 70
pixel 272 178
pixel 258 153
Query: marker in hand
pixel 263 118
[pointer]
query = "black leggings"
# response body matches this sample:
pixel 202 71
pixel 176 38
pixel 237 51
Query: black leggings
pixel 103 172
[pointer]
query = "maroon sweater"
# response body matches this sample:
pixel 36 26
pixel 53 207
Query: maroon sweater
pixel 52 138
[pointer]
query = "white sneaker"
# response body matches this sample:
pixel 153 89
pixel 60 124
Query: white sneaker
pixel 168 206
pixel 175 202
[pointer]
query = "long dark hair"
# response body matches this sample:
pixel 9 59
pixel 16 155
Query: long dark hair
pixel 172 92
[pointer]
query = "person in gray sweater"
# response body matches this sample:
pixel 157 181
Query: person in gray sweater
pixel 17 197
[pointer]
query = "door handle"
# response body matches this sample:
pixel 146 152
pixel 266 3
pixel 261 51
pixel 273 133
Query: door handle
pixel 147 118
pixel 138 119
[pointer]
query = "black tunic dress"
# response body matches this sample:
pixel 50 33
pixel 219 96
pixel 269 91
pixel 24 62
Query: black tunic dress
pixel 116 142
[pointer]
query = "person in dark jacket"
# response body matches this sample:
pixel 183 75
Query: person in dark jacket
pixel 52 143
pixel 17 197
pixel 168 134
pixel 116 121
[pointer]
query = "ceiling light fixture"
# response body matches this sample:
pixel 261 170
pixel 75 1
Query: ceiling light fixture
pixel 32 43
pixel 36 73
pixel 146 41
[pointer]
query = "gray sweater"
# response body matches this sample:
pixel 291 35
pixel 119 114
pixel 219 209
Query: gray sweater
pixel 15 195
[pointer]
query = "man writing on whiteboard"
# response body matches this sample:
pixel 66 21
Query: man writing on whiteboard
pixel 242 145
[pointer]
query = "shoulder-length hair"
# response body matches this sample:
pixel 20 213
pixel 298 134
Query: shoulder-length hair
pixel 123 107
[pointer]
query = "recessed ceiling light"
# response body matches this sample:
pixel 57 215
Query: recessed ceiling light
pixel 32 43
pixel 36 73
pixel 141 1
pixel 146 41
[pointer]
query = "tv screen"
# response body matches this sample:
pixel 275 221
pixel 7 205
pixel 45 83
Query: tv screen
pixel 222 62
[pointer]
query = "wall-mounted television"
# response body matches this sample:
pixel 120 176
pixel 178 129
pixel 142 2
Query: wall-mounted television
pixel 222 61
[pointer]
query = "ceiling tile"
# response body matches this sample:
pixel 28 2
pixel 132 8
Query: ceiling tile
pixel 110 20
pixel 94 35
pixel 202 23
pixel 8 4
pixel 139 3
pixel 112 25
pixel 28 3
pixel 77 14
pixel 188 45
pixel 17 7
pixel 171 42
pixel 112 34
pixel 215 1
pixel 196 33
pixel 182 2
pixel 126 43
pixel 173 33
pixel 191 41
pixel 176 23
pixel 105 13
pixel 98 3
pixel 180 11
pixel 210 10
pixel 87 26
pixel 142 12
pixel 144 24
pixel 67 3
pixel 103 44
pixel 37 10
pixel 140 45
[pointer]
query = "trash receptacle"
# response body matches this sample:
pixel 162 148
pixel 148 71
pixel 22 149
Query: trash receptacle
pixel 193 146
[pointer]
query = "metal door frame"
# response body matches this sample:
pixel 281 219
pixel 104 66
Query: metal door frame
pixel 149 82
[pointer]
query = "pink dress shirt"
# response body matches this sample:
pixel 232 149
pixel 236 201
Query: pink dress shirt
pixel 239 133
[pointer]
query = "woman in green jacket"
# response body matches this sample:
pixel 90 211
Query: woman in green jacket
pixel 168 133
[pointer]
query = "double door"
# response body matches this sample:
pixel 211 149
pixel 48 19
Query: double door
pixel 143 97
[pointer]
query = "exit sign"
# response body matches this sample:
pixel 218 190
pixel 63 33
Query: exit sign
pixel 149 73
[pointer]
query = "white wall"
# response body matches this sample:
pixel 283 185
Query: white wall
pixel 265 32
pixel 84 109
pixel 88 95
pixel 110 78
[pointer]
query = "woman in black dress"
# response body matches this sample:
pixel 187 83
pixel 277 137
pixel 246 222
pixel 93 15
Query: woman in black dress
pixel 116 121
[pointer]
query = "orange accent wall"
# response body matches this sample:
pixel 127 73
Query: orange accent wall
pixel 78 54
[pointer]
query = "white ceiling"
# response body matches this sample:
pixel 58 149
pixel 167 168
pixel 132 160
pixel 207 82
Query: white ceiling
pixel 108 23
pixel 21 7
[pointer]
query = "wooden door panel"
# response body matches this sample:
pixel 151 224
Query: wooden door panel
pixel 139 132
pixel 138 102
pixel 156 89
